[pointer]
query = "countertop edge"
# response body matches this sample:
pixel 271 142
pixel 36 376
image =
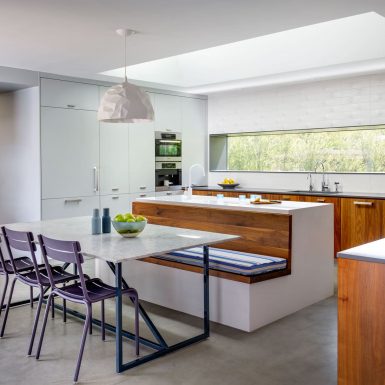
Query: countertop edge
pixel 358 195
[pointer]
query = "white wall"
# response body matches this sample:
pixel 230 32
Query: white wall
pixel 19 156
pixel 333 103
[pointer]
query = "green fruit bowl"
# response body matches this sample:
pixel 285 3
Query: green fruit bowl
pixel 129 229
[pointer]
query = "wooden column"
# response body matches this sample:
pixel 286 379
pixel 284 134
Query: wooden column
pixel 361 322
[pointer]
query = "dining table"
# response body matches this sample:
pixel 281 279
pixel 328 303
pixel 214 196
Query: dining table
pixel 115 250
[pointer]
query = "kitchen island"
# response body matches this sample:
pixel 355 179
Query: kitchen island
pixel 299 232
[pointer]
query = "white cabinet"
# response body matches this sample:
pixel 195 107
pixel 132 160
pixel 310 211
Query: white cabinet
pixel 118 204
pixel 65 94
pixel 68 207
pixel 168 113
pixel 141 153
pixel 69 152
pixel 168 193
pixel 114 172
pixel 194 139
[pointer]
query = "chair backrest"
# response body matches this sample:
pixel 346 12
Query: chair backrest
pixel 22 241
pixel 63 251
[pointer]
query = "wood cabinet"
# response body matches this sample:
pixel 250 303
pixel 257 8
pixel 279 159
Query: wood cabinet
pixel 168 113
pixel 356 221
pixel 72 95
pixel 361 322
pixel 361 221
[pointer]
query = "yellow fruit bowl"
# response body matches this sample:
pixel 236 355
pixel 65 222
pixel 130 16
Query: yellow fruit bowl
pixel 228 185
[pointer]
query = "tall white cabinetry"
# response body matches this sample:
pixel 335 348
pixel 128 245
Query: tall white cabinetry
pixel 89 164
pixel 194 139
pixel 69 148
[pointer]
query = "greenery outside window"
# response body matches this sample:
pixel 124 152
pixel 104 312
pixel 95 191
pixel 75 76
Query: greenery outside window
pixel 342 150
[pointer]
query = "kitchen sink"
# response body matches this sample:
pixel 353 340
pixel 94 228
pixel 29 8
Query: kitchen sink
pixel 307 192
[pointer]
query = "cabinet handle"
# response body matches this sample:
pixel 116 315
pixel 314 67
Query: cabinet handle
pixel 286 198
pixel 142 187
pixel 143 195
pixel 358 203
pixel 169 193
pixel 96 179
pixel 72 200
pixel 115 189
pixel 115 197
pixel 321 199
pixel 71 105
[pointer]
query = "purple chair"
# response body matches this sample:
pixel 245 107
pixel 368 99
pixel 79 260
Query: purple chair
pixel 87 291
pixel 6 269
pixel 35 276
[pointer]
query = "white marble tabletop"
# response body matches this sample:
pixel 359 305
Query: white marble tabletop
pixel 154 240
pixel 369 252
pixel 284 207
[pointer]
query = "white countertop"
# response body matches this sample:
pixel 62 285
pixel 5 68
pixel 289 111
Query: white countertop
pixel 154 240
pixel 285 207
pixel 369 252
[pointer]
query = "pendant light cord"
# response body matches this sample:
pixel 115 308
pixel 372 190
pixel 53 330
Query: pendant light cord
pixel 125 57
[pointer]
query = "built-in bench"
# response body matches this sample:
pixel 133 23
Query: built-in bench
pixel 263 235
pixel 234 263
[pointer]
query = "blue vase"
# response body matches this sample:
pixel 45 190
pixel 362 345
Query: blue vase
pixel 106 221
pixel 96 222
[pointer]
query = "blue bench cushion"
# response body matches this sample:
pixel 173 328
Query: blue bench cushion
pixel 228 260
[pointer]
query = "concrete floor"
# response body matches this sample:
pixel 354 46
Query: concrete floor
pixel 299 349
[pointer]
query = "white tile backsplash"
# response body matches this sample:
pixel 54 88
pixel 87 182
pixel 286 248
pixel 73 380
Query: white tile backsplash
pixel 332 103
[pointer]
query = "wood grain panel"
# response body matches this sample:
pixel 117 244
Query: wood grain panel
pixel 361 221
pixel 361 323
pixel 262 233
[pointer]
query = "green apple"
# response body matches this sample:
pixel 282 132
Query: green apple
pixel 119 218
pixel 128 216
pixel 140 218
pixel 130 220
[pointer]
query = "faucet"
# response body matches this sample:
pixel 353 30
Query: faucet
pixel 189 191
pixel 324 185
pixel 310 179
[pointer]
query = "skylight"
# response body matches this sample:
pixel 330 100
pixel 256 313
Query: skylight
pixel 349 45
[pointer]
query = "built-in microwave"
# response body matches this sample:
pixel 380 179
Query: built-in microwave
pixel 168 146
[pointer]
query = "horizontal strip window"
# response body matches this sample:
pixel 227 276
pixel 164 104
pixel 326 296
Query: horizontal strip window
pixel 359 149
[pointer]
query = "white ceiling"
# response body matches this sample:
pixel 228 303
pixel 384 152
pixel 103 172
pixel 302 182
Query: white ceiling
pixel 77 38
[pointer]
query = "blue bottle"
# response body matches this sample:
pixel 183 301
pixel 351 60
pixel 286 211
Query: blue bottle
pixel 96 222
pixel 106 221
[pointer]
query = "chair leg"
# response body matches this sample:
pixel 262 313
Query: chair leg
pixel 64 308
pixel 31 296
pixel 90 326
pixel 103 322
pixel 7 308
pixel 46 313
pixel 84 336
pixel 4 292
pixel 37 316
pixel 53 307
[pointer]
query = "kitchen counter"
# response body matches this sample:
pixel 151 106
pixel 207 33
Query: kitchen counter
pixel 369 252
pixel 363 195
pixel 285 207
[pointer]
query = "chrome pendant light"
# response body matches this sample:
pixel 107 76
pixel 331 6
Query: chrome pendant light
pixel 125 102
